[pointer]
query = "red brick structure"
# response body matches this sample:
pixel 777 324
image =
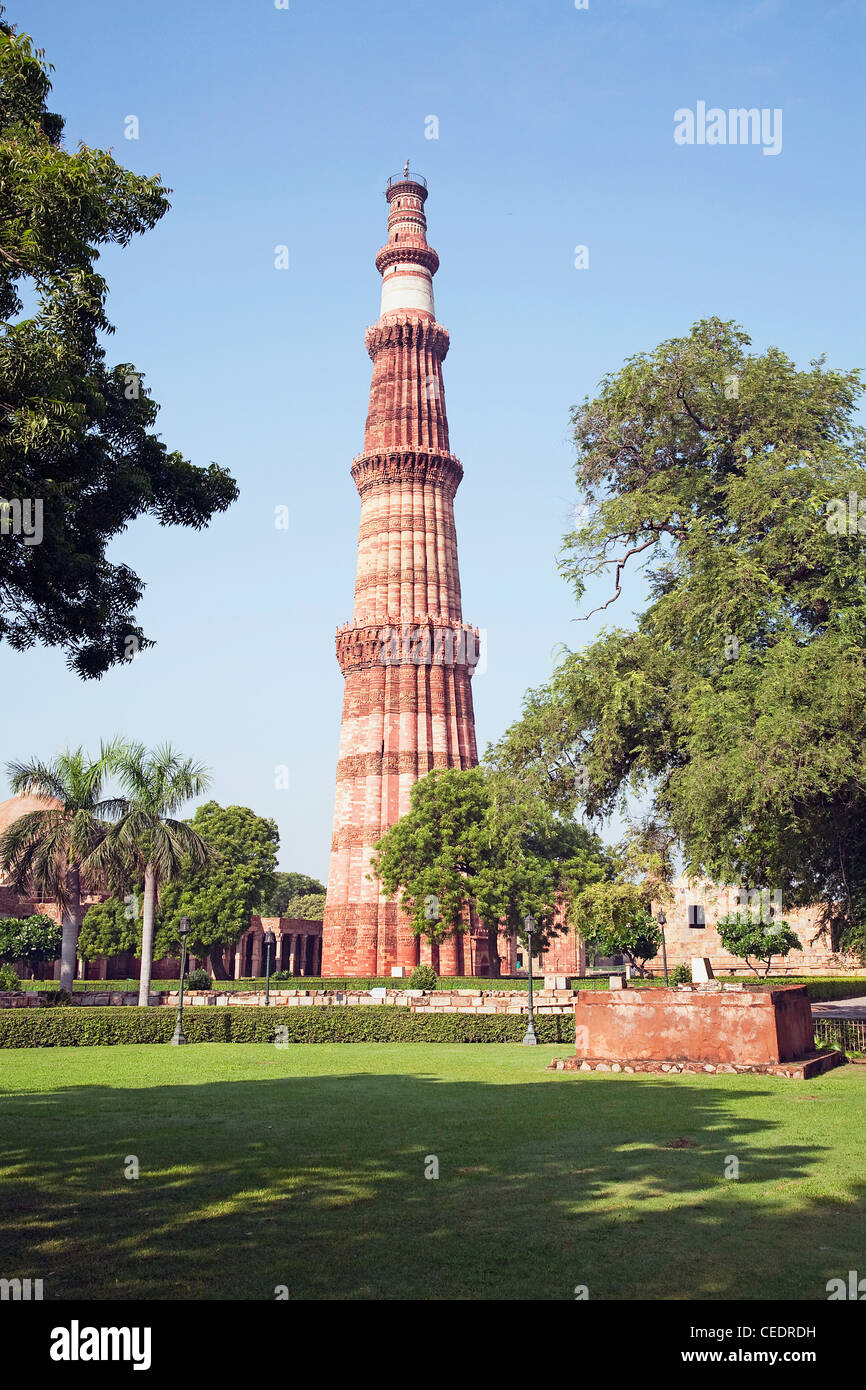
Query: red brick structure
pixel 407 656
pixel 697 1028
pixel 15 904
pixel 750 1027
pixel 298 947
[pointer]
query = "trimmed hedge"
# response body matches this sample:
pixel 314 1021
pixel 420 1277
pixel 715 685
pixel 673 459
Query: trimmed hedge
pixel 98 1027
pixel 819 987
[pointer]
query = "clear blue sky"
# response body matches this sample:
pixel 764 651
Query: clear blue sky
pixel 555 129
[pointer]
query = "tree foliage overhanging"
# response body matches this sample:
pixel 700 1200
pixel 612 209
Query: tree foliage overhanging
pixel 737 703
pixel 76 436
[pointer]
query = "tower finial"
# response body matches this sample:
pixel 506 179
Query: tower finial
pixel 406 170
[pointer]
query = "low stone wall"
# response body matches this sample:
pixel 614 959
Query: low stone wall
pixel 469 1001
pixel 459 1001
pixel 38 999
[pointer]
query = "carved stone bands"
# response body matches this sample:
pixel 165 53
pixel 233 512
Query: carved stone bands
pixel 357 836
pixel 417 762
pixel 407 466
pixel 396 252
pixel 408 331
pixel 433 642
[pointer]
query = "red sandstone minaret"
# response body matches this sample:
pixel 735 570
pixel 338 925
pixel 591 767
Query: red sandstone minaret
pixel 407 656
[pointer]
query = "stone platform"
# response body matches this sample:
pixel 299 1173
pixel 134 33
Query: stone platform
pixel 801 1069
pixel 710 1023
pixel 711 1027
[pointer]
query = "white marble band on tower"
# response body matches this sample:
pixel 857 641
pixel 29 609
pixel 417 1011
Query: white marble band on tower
pixel 407 287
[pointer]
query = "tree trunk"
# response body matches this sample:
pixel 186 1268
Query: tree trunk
pixel 70 923
pixel 493 956
pixel 147 924
pixel 217 964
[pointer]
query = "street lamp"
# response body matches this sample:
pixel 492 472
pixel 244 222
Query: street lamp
pixel 270 942
pixel 530 1040
pixel 662 920
pixel 178 1039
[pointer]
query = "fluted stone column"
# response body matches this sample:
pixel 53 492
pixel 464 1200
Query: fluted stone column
pixel 407 656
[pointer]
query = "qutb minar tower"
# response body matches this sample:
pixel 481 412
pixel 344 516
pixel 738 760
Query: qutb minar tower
pixel 407 656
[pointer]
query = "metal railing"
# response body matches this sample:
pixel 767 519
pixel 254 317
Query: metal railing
pixel 847 1033
pixel 409 177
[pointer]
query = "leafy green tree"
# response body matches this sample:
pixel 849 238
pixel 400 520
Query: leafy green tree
pixel 615 918
pixel 311 907
pixel 287 886
pixel 111 927
pixel 146 841
pixel 79 459
pixel 745 934
pixel 219 897
pixel 736 704
pixel 33 939
pixel 473 843
pixel 52 851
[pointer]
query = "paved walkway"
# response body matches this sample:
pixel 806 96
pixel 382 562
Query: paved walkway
pixel 840 1008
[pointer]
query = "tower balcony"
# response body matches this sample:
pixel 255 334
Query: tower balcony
pixel 406 177
pixel 405 464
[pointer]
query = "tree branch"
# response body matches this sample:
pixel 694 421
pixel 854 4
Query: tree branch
pixel 620 566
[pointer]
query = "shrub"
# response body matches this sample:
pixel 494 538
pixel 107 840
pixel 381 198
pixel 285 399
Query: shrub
pixel 281 975
pixel 94 1027
pixel 422 977
pixel 8 978
pixel 680 975
pixel 199 979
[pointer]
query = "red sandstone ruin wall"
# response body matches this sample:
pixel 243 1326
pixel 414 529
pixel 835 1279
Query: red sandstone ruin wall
pixel 750 1027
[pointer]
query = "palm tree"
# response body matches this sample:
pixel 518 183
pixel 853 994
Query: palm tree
pixel 146 841
pixel 50 850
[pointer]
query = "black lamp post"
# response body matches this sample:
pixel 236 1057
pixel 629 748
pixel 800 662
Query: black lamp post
pixel 270 942
pixel 177 1038
pixel 662 920
pixel 530 1040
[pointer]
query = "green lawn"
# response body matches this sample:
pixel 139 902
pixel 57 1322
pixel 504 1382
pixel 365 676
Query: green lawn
pixel 305 1167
